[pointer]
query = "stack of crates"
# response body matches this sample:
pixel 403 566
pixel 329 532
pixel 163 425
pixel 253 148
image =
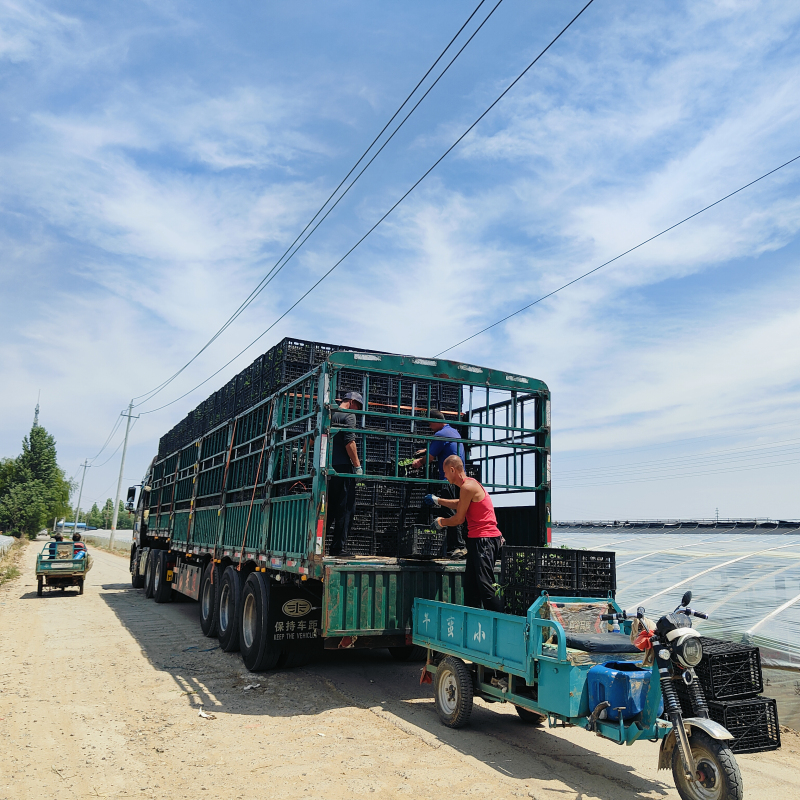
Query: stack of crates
pixel 731 678
pixel 528 571
pixel 285 362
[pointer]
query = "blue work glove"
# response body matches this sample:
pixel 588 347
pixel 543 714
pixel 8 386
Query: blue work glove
pixel 430 500
pixel 359 471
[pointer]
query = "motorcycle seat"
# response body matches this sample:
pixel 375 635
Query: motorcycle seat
pixel 601 642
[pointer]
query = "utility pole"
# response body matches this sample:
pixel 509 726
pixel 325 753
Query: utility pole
pixel 129 415
pixel 80 494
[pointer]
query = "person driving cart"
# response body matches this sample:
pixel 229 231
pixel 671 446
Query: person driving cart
pixel 483 536
pixel 445 445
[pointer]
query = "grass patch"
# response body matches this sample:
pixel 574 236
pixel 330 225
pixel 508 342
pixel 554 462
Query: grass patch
pixel 9 561
pixel 119 549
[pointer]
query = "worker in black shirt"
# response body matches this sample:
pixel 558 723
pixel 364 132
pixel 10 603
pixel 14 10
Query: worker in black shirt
pixel 342 489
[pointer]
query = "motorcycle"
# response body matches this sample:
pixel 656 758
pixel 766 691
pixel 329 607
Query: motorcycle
pixel 697 749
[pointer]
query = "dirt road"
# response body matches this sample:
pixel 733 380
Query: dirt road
pixel 100 694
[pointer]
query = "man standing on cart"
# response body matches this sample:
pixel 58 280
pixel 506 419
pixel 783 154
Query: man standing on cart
pixel 341 488
pixel 483 536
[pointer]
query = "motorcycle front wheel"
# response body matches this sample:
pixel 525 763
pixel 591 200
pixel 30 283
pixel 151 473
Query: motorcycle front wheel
pixel 718 776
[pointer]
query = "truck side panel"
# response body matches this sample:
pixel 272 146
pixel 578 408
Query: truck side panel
pixel 374 599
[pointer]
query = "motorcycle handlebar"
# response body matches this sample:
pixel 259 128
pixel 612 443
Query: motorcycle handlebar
pixel 690 612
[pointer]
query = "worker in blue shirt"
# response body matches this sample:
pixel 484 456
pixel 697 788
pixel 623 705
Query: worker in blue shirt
pixel 441 448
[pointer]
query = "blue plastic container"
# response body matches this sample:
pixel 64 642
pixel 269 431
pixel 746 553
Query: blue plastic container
pixel 623 683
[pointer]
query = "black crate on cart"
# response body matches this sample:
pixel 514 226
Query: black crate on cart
pixel 729 671
pixel 553 569
pixel 753 723
pixel 597 574
pixel 518 599
pixel 422 541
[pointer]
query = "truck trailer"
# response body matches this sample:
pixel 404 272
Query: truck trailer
pixel 232 511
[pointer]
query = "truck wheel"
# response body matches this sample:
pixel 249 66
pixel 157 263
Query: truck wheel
pixel 80 588
pixel 137 580
pixel 255 638
pixel 162 590
pixel 531 717
pixel 149 573
pixel 411 652
pixel 40 586
pixel 718 776
pixel 209 591
pixel 452 689
pixel 229 609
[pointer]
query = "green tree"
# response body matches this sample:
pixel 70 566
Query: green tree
pixel 33 489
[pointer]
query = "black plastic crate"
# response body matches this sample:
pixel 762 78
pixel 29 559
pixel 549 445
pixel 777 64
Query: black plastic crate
pixel 419 541
pixel 375 448
pixel 378 467
pixel 729 671
pixel 349 381
pixel 597 574
pixel 386 543
pixel 365 493
pixel 386 519
pixel 372 423
pixel 360 543
pixel 362 519
pixel 518 599
pixel 753 723
pixel 553 569
pixel 389 495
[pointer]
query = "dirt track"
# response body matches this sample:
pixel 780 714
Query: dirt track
pixel 99 697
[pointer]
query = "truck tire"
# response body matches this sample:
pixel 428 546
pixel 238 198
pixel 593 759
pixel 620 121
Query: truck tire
pixel 530 717
pixel 409 653
pixel 80 588
pixel 229 609
pixel 452 689
pixel 255 639
pixel 162 590
pixel 209 591
pixel 137 580
pixel 149 573
pixel 40 586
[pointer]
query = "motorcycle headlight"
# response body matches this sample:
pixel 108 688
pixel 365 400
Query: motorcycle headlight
pixel 690 652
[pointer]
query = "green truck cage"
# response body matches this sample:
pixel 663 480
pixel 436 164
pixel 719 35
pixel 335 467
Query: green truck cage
pixel 252 491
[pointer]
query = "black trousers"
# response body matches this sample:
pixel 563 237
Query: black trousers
pixel 341 502
pixel 479 573
pixel 455 534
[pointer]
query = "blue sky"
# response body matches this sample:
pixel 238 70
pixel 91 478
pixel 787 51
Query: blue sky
pixel 156 159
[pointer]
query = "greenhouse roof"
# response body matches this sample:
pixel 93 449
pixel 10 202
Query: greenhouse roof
pixel 744 574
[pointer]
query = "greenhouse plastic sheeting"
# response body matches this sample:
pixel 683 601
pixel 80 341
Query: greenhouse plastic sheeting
pixel 748 581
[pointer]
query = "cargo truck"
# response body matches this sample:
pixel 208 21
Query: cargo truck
pixel 232 511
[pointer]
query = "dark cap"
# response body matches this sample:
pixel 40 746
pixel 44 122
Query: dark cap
pixel 355 396
pixel 436 414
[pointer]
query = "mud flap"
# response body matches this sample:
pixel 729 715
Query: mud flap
pixel 713 729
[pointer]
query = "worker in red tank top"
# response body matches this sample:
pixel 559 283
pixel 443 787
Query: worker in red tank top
pixel 483 536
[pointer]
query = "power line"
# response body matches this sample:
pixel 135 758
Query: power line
pixel 110 435
pixel 386 214
pixel 616 258
pixel 277 267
